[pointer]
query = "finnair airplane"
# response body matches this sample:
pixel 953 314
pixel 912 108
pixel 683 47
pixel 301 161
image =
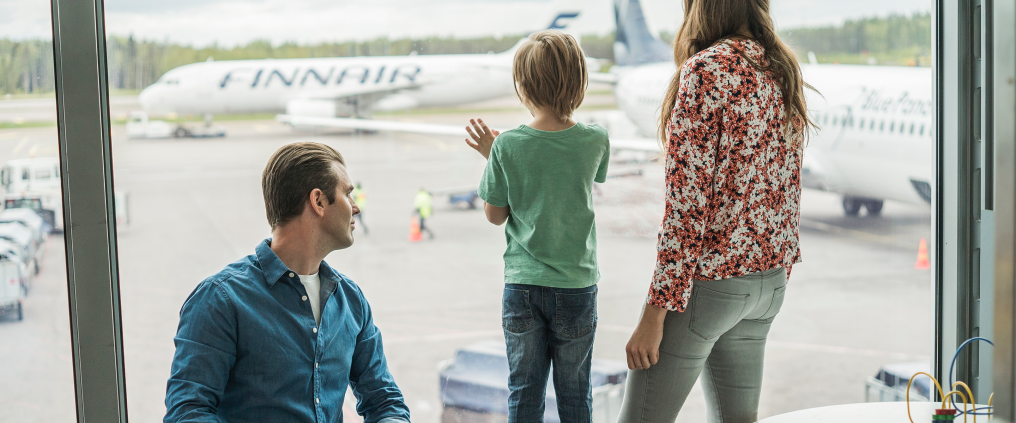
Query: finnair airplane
pixel 331 87
pixel 875 141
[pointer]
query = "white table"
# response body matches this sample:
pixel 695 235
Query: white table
pixel 870 412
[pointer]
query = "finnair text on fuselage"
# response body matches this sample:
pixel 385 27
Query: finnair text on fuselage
pixel 382 83
pixel 352 74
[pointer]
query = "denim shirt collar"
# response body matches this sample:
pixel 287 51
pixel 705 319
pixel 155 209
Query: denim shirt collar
pixel 274 269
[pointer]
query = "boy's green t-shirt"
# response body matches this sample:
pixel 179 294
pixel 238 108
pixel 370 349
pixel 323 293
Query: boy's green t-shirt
pixel 546 179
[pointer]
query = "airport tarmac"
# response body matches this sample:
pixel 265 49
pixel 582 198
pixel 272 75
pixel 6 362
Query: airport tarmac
pixel 855 303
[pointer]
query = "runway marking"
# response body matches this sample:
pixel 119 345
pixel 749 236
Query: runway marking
pixel 33 150
pixel 401 340
pixel 881 239
pixel 216 227
pixel 801 346
pixel 19 146
pixel 857 352
pixel 8 134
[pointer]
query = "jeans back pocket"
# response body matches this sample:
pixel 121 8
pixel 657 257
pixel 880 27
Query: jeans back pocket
pixel 516 312
pixel 776 304
pixel 575 314
pixel 713 312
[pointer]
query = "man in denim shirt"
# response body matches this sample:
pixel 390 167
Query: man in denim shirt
pixel 278 335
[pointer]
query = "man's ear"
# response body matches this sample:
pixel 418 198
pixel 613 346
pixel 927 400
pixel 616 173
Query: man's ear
pixel 318 201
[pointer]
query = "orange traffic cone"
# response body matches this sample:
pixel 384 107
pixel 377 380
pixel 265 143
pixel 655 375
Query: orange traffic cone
pixel 414 230
pixel 922 256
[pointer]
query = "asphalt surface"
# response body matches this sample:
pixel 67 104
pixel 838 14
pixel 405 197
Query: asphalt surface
pixel 854 304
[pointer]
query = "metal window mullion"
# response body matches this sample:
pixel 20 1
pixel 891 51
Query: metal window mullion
pixel 954 76
pixel 89 224
pixel 1003 162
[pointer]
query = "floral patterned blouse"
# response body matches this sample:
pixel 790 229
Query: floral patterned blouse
pixel 733 177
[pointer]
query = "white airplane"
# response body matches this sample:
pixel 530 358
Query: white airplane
pixel 875 141
pixel 332 87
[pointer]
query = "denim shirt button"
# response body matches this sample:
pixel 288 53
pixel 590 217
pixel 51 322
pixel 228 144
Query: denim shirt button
pixel 291 274
pixel 305 298
pixel 315 330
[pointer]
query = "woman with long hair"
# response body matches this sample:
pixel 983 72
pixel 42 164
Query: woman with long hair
pixel 733 125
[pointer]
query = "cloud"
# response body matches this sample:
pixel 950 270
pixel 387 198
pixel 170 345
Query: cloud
pixel 229 22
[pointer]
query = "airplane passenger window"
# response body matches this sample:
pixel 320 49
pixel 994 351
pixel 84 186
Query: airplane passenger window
pixel 37 375
pixel 365 78
pixel 911 129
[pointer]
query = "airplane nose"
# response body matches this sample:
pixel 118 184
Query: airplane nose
pixel 148 98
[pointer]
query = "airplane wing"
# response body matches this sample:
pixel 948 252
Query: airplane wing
pixel 631 144
pixel 635 144
pixel 603 77
pixel 374 125
pixel 364 90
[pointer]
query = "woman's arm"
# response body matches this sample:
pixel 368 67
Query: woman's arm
pixel 496 215
pixel 691 161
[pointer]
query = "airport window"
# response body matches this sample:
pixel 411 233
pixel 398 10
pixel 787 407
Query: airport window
pixel 37 376
pixel 188 169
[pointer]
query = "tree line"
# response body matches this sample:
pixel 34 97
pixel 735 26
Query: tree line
pixel 133 64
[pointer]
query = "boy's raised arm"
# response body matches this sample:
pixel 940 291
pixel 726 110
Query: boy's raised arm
pixel 496 215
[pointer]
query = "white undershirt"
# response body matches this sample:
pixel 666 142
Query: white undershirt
pixel 313 285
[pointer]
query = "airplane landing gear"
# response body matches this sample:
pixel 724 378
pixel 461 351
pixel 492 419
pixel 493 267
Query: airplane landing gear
pixel 852 206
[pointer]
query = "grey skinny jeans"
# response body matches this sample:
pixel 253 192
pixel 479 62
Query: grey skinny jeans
pixel 722 336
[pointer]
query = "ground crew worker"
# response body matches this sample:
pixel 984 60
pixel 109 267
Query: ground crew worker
pixel 360 198
pixel 424 208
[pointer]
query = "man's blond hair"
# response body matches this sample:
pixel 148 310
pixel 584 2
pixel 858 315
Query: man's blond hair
pixel 550 73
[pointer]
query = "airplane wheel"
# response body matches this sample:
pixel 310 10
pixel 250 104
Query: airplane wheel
pixel 874 207
pixel 851 206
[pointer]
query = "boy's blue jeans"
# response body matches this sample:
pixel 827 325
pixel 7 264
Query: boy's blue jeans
pixel 542 326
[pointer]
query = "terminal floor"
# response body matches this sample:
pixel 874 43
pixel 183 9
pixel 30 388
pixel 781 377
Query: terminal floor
pixel 855 303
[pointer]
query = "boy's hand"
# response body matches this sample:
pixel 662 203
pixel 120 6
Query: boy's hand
pixel 482 137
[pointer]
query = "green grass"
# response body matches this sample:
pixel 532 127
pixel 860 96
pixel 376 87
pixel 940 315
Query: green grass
pixel 50 94
pixel 33 124
pixel 907 57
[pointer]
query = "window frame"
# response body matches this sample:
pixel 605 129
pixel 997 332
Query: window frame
pixel 79 49
pixel 79 58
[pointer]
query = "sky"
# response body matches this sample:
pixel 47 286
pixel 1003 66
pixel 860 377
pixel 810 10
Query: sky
pixel 231 22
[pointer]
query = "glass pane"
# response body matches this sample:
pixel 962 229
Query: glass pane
pixel 199 105
pixel 37 372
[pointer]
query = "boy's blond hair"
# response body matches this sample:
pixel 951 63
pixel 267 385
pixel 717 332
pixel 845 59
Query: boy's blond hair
pixel 550 72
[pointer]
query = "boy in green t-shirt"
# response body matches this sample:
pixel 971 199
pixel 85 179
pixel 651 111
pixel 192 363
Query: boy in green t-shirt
pixel 539 178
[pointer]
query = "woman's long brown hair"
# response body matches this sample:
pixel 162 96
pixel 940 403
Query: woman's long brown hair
pixel 708 22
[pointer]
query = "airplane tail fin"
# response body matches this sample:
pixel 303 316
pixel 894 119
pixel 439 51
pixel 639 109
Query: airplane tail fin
pixel 565 14
pixel 633 43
